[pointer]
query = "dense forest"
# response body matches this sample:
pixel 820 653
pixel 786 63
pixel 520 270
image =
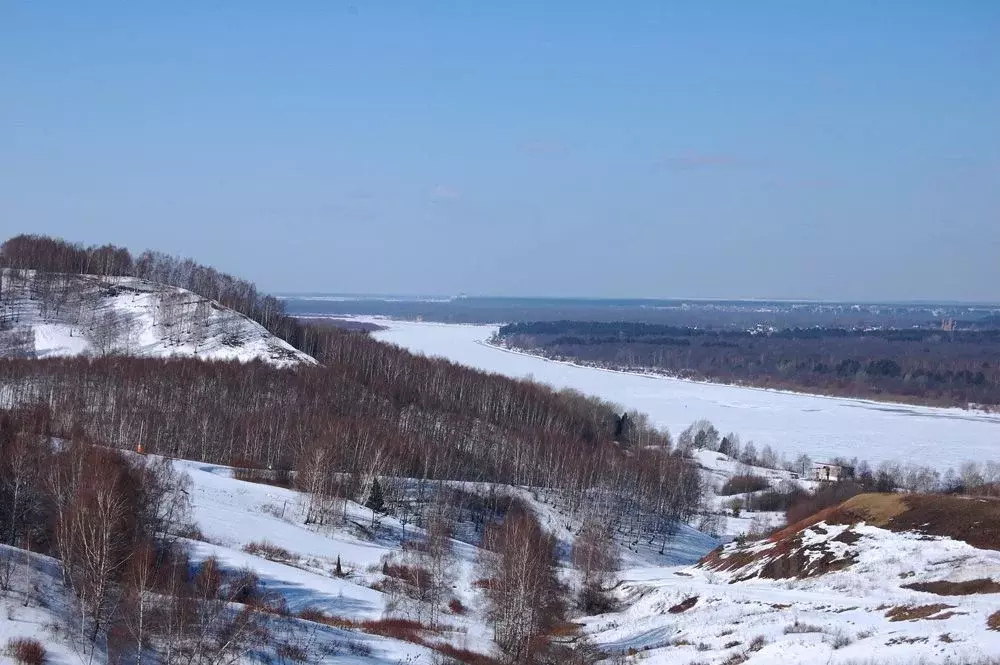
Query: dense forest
pixel 921 365
pixel 370 410
pixel 368 423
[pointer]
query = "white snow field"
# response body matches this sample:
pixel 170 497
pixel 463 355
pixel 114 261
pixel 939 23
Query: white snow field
pixel 791 423
pixel 69 315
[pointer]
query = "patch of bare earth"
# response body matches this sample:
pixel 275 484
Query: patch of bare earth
pixel 971 519
pixel 684 605
pixel 916 612
pixel 967 588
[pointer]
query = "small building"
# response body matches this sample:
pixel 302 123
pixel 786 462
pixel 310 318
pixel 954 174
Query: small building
pixel 833 473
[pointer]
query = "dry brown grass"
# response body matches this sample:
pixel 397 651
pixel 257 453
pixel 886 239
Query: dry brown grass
pixel 319 616
pixel 417 576
pixel 993 621
pixel 916 612
pixel 464 655
pixel 974 520
pixel 876 509
pixel 399 629
pixel 405 630
pixel 967 588
pixel 268 550
pixel 565 629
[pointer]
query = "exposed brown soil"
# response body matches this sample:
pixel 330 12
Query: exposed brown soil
pixel 974 520
pixel 915 612
pixel 788 558
pixel 684 605
pixel 967 588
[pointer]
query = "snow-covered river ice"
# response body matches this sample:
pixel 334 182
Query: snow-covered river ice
pixel 791 423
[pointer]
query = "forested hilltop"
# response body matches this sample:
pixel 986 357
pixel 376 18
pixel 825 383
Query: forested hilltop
pixel 367 424
pixel 371 408
pixel 921 365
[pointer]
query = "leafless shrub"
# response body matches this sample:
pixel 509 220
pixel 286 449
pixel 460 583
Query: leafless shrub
pixel 743 483
pixel 26 651
pixel 840 639
pixel 286 652
pixel 268 550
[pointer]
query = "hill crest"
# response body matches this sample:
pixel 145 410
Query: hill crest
pixel 56 314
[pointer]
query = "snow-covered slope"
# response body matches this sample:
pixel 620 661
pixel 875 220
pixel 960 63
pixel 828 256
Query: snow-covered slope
pixel 860 614
pixel 35 605
pixel 863 612
pixel 48 315
pixel 827 590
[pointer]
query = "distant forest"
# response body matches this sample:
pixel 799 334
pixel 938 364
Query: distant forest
pixel 953 368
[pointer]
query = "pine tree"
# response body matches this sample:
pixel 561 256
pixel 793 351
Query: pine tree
pixel 376 500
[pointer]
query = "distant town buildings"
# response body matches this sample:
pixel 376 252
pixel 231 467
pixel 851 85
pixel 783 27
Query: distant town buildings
pixel 831 472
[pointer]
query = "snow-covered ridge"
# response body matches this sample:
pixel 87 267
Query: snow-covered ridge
pixel 50 315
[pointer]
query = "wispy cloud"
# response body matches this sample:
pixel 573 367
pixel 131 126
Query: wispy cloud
pixel 445 193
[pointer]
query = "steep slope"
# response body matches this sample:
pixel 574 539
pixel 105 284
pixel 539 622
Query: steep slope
pixel 49 314
pixel 35 605
pixel 880 578
pixel 917 527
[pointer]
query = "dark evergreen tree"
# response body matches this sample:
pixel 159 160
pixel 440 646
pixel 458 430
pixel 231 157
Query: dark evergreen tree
pixel 376 498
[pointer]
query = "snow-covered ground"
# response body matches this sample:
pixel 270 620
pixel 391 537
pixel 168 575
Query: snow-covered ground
pixel 852 615
pixel 69 315
pixel 36 606
pixel 791 423
pixel 839 617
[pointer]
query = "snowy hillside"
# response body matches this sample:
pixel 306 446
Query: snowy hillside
pixel 47 315
pixel 826 593
pixel 870 601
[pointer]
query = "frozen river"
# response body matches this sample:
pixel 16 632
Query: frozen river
pixel 791 423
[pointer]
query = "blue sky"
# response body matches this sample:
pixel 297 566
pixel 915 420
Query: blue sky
pixel 845 150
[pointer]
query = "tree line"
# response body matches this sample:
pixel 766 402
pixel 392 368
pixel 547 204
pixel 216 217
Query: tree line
pixel 349 428
pixel 58 256
pixel 922 365
pixel 371 410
